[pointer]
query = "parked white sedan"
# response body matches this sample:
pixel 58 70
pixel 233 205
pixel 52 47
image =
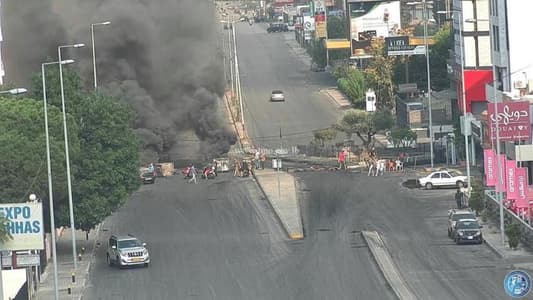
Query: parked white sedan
pixel 443 178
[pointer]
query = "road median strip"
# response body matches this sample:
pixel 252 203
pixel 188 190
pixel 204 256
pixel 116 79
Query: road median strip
pixel 386 265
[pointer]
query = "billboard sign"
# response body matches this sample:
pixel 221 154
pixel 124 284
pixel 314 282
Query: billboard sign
pixel 489 157
pixel 399 45
pixel 521 187
pixel 25 223
pixel 513 121
pixel 381 16
pixel 510 176
pixel 500 180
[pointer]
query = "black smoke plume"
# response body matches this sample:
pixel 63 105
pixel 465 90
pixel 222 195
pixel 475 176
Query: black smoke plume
pixel 158 55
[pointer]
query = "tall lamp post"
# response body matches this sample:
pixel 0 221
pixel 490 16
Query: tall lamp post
pixel 69 181
pixel 463 91
pixel 49 167
pixel 424 4
pixel 499 195
pixel 13 92
pixel 94 56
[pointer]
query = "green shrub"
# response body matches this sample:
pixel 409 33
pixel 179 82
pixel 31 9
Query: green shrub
pixel 513 234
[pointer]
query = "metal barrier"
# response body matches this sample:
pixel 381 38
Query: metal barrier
pixel 491 194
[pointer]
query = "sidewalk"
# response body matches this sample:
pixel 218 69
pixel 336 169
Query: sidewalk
pixel 298 51
pixel 65 265
pixel 283 198
pixel 339 99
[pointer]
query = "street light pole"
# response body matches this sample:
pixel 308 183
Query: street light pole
pixel 49 168
pixel 94 55
pixel 426 14
pixel 69 181
pixel 238 76
pixel 463 93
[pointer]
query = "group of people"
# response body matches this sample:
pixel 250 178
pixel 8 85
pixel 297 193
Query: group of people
pixel 244 168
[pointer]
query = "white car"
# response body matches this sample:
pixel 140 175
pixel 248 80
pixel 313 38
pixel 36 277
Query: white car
pixel 443 178
pixel 277 96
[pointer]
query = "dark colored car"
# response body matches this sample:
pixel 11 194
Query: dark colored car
pixel 467 231
pixel 277 27
pixel 148 177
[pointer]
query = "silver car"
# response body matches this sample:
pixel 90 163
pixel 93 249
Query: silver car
pixel 127 251
pixel 277 96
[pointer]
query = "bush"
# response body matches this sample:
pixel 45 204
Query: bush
pixel 513 234
pixel 477 199
pixel 352 83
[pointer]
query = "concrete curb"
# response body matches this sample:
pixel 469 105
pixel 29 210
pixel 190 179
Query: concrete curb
pixel 494 249
pixel 334 100
pixel 92 257
pixel 386 265
pixel 292 236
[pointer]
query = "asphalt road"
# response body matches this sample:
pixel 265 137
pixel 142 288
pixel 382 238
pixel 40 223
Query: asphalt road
pixel 220 240
pixel 267 64
pixel 413 224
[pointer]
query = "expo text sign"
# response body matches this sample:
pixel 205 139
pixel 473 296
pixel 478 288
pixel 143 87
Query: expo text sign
pixel 513 121
pixel 25 223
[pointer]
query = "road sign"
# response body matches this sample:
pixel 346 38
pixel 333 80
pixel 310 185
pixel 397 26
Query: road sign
pixel 410 50
pixel 28 260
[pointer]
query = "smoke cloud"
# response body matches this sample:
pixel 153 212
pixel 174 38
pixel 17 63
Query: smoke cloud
pixel 160 56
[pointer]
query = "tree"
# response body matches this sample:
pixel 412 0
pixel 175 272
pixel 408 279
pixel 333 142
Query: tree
pixel 379 76
pixel 22 144
pixel 336 28
pixel 359 122
pixel 109 151
pixel 323 135
pixel 402 137
pixel 352 83
pixel 476 201
pixel 417 65
pixel 318 52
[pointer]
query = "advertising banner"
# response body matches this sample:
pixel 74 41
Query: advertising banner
pixel 25 223
pixel 489 158
pixel 510 176
pixel 522 187
pixel 513 121
pixel 500 180
pixel 383 17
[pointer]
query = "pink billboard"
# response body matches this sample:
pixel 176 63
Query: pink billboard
pixel 513 121
pixel 522 188
pixel 489 158
pixel 500 175
pixel 510 178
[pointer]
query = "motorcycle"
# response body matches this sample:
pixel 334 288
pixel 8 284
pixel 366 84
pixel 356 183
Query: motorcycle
pixel 186 172
pixel 209 173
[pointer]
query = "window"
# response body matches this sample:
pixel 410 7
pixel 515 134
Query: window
pixel 112 242
pixel 445 175
pixel 129 244
pixel 435 176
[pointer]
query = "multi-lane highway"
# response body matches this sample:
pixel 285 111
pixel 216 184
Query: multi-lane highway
pixel 266 64
pixel 220 240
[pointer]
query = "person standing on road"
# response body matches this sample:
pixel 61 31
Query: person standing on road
pixel 459 198
pixel 257 158
pixel 193 174
pixel 342 160
pixel 263 160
